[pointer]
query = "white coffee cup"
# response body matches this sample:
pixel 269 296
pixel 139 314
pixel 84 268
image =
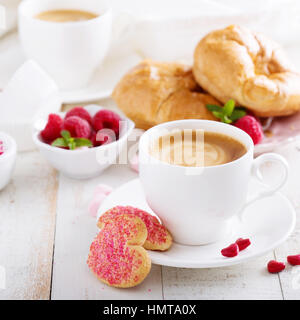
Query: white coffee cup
pixel 197 204
pixel 69 51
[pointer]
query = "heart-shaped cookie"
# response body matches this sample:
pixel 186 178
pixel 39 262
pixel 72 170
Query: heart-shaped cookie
pixel 159 238
pixel 116 255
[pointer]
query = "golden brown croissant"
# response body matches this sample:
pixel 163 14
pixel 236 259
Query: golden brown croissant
pixel 153 92
pixel 235 63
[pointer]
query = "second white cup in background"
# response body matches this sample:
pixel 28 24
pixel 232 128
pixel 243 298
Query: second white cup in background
pixel 70 51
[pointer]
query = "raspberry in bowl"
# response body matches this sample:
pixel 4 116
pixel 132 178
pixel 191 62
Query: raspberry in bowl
pixel 73 146
pixel 8 152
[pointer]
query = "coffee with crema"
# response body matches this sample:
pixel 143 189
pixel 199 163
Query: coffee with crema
pixel 66 15
pixel 192 148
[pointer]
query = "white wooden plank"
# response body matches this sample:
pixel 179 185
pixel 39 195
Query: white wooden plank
pixel 245 281
pixel 27 221
pixel 75 230
pixel 290 278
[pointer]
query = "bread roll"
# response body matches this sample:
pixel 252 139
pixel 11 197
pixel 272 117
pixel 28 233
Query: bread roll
pixel 153 92
pixel 235 63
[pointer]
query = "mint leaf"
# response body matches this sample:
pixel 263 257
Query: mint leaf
pixel 218 114
pixel 82 142
pixel 71 144
pixel 228 107
pixel 60 143
pixel 221 116
pixel 226 119
pixel 237 114
pixel 214 107
pixel 65 134
pixel 228 113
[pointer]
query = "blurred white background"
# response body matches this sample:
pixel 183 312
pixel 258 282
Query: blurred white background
pixel 280 19
pixel 170 29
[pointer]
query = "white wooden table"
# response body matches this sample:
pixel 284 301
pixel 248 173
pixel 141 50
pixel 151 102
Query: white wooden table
pixel 46 230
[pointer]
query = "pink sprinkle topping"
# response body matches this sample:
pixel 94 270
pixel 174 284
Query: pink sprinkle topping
pixel 157 233
pixel 110 258
pixel 1 148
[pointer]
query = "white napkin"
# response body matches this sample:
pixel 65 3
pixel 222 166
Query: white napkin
pixel 29 95
pixel 170 29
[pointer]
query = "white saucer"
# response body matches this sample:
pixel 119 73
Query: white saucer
pixel 267 223
pixel 100 86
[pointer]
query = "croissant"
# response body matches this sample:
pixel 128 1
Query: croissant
pixel 154 92
pixel 235 63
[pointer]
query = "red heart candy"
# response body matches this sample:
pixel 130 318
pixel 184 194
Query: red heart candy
pixel 231 251
pixel 294 260
pixel 275 266
pixel 243 243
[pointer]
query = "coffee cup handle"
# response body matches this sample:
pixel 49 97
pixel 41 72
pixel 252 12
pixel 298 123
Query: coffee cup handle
pixel 256 172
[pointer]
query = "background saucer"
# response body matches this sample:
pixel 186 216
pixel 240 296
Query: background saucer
pixel 267 223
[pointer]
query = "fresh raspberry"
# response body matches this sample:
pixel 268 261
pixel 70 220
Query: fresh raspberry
pixel 1 148
pixel 294 260
pixel 105 136
pixel 106 119
pixel 53 128
pixel 275 266
pixel 243 243
pixel 77 127
pixel 231 251
pixel 93 138
pixel 81 113
pixel 252 126
pixel 102 137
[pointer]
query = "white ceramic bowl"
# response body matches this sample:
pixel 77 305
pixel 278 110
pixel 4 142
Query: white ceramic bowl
pixel 7 159
pixel 83 163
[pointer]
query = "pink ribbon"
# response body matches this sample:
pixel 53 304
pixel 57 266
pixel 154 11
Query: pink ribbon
pixel 100 193
pixel 134 163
